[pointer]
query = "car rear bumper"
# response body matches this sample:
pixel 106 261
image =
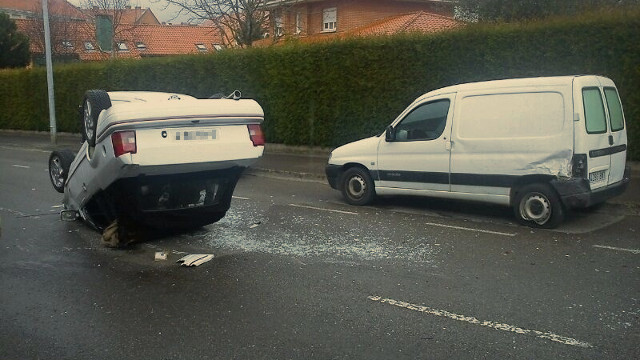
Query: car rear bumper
pixel 576 193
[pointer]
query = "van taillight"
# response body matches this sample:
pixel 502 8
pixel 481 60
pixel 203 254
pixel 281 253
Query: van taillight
pixel 579 166
pixel 256 134
pixel 124 142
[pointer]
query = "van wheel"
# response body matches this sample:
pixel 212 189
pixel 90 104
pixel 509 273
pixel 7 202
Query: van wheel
pixel 537 205
pixel 94 102
pixel 59 165
pixel 357 186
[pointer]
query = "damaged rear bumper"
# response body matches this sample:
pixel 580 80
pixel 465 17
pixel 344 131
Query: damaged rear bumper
pixel 577 193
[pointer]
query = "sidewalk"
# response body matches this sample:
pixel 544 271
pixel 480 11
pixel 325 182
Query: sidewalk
pixel 281 160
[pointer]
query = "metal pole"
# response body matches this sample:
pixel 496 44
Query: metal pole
pixel 47 44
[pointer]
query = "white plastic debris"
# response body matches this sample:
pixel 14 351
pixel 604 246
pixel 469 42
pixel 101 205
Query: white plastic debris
pixel 160 255
pixel 195 259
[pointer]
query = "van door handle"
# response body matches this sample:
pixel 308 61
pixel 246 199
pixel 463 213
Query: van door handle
pixel 610 139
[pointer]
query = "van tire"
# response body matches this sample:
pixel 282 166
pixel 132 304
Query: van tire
pixel 357 186
pixel 94 102
pixel 538 205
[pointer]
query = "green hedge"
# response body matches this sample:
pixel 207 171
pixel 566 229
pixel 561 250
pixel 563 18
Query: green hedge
pixel 330 93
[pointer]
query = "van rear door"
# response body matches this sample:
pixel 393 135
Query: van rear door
pixel 599 131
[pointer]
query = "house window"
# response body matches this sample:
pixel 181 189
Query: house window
pixel 122 46
pixel 218 47
pixel 140 45
pixel 88 45
pixel 329 19
pixel 279 25
pixel 67 44
pixel 298 23
pixel 201 47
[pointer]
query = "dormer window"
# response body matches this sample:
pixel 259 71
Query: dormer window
pixel 329 19
pixel 122 46
pixel 88 45
pixel 218 47
pixel 141 46
pixel 201 47
pixel 67 44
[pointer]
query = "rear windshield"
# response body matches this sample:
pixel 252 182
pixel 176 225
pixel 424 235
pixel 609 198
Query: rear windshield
pixel 615 109
pixel 595 118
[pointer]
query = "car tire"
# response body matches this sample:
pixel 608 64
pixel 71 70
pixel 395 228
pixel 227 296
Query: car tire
pixel 59 165
pixel 538 205
pixel 94 102
pixel 357 186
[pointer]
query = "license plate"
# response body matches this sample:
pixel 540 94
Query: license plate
pixel 597 176
pixel 195 135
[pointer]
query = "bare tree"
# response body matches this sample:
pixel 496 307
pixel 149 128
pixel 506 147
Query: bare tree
pixel 240 22
pixel 65 22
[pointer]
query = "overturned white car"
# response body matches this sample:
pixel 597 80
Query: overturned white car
pixel 159 160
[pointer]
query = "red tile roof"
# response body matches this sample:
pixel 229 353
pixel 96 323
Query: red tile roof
pixel 175 39
pixel 420 21
pixel 157 40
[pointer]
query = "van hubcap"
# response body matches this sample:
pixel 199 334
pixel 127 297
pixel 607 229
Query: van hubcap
pixel 536 208
pixel 357 186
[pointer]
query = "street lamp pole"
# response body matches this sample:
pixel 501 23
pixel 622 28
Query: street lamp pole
pixel 47 44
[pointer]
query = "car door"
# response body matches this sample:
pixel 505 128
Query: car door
pixel 416 156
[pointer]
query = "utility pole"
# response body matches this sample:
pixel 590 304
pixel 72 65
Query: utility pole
pixel 47 45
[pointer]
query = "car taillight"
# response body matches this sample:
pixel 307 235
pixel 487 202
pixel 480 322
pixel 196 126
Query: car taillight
pixel 124 142
pixel 256 134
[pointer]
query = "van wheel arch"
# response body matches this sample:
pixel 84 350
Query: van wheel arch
pixel 537 204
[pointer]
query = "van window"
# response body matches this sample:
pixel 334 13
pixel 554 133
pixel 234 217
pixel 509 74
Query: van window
pixel 595 119
pixel 516 115
pixel 615 109
pixel 426 122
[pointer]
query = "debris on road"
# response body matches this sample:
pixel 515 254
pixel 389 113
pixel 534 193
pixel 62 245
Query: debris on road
pixel 195 259
pixel 160 255
pixel 255 224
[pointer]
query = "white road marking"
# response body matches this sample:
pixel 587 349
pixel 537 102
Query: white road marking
pixel 22 166
pixel 323 209
pixel 633 251
pixel 240 197
pixel 471 229
pixel 472 320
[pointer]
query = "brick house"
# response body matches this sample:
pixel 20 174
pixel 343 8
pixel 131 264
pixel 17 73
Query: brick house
pixel 318 19
pixel 74 36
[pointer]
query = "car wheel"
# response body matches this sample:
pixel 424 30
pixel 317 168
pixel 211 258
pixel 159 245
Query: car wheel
pixel 59 165
pixel 357 186
pixel 538 205
pixel 94 102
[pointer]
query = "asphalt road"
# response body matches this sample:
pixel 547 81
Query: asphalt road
pixel 298 273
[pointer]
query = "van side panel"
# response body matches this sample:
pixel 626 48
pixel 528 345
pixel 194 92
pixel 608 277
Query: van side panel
pixel 501 135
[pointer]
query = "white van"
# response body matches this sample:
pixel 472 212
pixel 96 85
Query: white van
pixel 539 145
